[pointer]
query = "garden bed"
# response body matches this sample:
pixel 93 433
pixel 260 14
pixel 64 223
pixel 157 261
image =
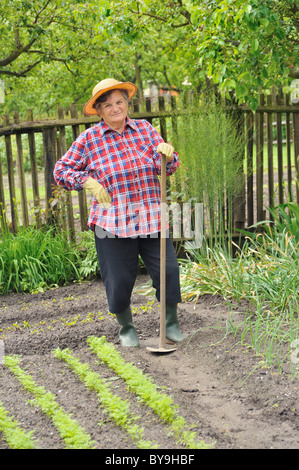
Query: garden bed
pixel 222 390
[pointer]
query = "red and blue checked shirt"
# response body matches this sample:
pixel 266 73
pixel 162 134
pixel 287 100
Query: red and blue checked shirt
pixel 127 165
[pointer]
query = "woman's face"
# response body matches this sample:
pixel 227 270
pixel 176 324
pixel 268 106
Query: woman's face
pixel 114 110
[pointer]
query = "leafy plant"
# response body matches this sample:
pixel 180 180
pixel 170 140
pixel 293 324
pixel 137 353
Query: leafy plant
pixel 36 259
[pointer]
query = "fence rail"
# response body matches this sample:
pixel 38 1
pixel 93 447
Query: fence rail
pixel 38 198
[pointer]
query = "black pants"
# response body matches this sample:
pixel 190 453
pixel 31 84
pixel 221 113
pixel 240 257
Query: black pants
pixel 118 260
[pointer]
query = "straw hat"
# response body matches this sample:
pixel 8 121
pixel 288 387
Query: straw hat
pixel 107 85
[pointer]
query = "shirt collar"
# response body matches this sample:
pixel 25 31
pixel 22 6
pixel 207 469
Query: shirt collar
pixel 103 127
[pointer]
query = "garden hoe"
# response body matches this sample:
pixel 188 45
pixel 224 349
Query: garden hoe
pixel 162 346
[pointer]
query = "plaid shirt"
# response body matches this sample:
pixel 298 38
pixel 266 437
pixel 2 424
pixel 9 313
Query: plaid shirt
pixel 128 166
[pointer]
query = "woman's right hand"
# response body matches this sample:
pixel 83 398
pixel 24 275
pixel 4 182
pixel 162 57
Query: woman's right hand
pixel 99 192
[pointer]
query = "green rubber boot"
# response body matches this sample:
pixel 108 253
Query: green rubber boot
pixel 172 326
pixel 127 333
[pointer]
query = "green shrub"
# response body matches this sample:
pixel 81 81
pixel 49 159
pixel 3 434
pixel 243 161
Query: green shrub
pixel 36 259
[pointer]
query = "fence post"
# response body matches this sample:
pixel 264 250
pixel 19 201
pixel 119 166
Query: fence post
pixel 249 150
pixel 136 105
pixel 288 144
pixel 270 155
pixel 34 172
pixel 81 194
pixel 11 180
pixel 69 205
pixel 279 149
pixel 148 108
pixel 20 163
pixel 239 202
pixel 49 162
pixel 260 159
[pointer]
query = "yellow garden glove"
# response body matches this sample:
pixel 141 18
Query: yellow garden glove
pixel 167 150
pixel 99 192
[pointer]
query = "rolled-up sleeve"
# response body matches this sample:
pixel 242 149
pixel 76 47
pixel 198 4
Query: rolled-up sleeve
pixel 70 171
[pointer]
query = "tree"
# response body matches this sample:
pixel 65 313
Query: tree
pixel 44 47
pixel 246 46
pixel 237 45
pixel 36 32
pixel 77 44
pixel 57 50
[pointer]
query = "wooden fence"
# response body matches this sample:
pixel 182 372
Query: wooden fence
pixel 274 125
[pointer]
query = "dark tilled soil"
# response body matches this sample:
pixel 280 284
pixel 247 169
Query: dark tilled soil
pixel 220 387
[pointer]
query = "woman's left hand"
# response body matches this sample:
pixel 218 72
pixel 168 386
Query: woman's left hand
pixel 167 150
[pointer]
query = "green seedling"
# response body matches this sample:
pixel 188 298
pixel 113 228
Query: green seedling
pixel 143 308
pixel 118 409
pixel 13 434
pixel 71 432
pixel 146 390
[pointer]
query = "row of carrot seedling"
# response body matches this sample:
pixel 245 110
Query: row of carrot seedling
pixel 73 435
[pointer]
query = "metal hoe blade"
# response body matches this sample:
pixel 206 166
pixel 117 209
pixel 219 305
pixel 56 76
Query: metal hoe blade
pixel 162 346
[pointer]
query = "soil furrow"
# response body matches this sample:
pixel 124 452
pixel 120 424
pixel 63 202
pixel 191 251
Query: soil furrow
pixel 221 388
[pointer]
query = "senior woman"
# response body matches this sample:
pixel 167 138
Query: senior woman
pixel 118 160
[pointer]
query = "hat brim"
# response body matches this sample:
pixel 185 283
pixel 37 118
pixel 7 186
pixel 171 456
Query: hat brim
pixel 130 87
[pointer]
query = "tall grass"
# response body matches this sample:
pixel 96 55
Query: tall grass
pixel 36 259
pixel 211 149
pixel 265 274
